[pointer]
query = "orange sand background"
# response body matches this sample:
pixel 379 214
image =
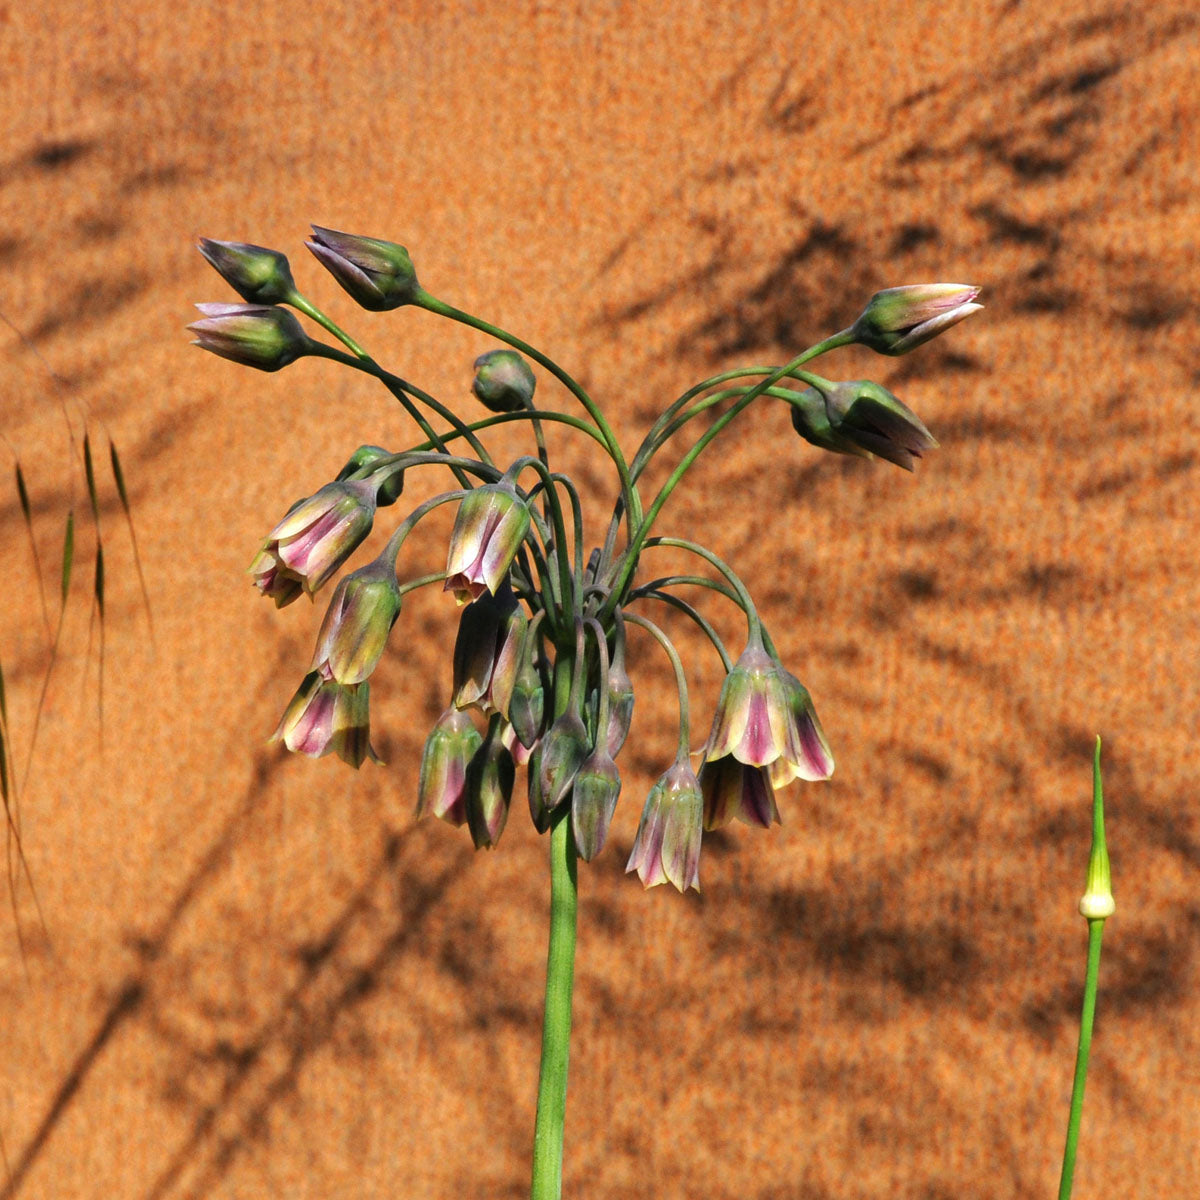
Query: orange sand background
pixel 257 977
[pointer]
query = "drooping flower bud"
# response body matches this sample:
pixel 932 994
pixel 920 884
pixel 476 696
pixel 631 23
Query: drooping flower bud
pixel 258 275
pixel 620 696
pixel 325 717
pixel 539 811
pixel 486 651
pixel 667 846
pixel 860 417
pixel 360 616
pixel 389 486
pixel 263 336
pixel 378 275
pixel 311 543
pixel 898 319
pixel 593 801
pixel 489 784
pixel 735 789
pixel 451 745
pixel 491 525
pixel 563 751
pixel 527 705
pixel 521 753
pixel 503 381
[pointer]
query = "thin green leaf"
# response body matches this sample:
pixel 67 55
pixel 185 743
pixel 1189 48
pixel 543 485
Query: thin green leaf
pixel 90 472
pixel 27 510
pixel 3 704
pixel 23 494
pixel 68 556
pixel 119 480
pixel 98 583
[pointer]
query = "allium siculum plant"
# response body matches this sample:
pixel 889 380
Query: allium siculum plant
pixel 539 665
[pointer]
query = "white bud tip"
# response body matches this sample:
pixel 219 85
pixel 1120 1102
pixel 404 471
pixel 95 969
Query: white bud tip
pixel 1097 907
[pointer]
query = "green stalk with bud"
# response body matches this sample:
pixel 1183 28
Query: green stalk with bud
pixel 539 666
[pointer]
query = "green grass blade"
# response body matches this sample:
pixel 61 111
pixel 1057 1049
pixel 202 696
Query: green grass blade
pixel 27 513
pixel 68 558
pixel 90 471
pixel 119 480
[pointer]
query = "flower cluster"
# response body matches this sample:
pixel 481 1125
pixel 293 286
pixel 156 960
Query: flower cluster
pixel 539 663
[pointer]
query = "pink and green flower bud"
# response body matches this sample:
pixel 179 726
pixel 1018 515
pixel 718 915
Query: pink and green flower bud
pixel 734 789
pixel 258 275
pixel 491 525
pixel 378 275
pixel 539 811
pixel 620 705
pixel 312 542
pixel 256 335
pixel 807 755
pixel 487 652
pixel 860 417
pixel 527 704
pixel 442 789
pixel 489 785
pixel 898 319
pixel 667 846
pixel 389 486
pixel 360 616
pixel 503 381
pixel 563 751
pixel 327 717
pixel 751 721
pixel 520 752
pixel 593 801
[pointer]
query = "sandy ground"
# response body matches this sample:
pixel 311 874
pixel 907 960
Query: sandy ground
pixel 254 975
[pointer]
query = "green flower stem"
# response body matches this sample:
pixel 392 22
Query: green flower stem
pixel 680 678
pixel 629 493
pixel 686 608
pixel 1097 905
pixel 601 639
pixel 721 565
pixel 666 581
pixel 421 581
pixel 560 527
pixel 556 1020
pixel 528 414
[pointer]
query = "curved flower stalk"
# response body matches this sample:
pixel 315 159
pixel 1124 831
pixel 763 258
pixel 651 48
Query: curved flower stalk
pixel 541 648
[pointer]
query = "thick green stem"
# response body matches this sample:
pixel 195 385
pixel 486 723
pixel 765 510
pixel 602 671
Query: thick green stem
pixel 556 1020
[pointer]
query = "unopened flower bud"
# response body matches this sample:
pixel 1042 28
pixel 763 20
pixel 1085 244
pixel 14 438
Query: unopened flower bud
pixel 900 318
pixel 593 801
pixel 312 542
pixel 389 485
pixel 325 717
pixel 258 275
pixel 563 751
pixel 486 651
pixel 860 417
pixel 527 704
pixel 491 525
pixel 489 785
pixel 504 381
pixel 360 616
pixel 378 275
pixel 263 336
pixel 667 846
pixel 451 745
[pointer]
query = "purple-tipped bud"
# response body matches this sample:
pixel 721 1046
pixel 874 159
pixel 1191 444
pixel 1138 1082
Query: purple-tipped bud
pixel 389 485
pixel 256 335
pixel 667 846
pixel 898 319
pixel 312 542
pixel 489 786
pixel 451 745
pixel 593 801
pixel 860 417
pixel 360 616
pixel 503 381
pixel 325 717
pixel 491 525
pixel 487 652
pixel 527 704
pixel 620 705
pixel 378 275
pixel 563 751
pixel 733 789
pixel 258 275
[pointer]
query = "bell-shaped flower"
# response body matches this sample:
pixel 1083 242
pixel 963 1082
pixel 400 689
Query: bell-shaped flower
pixel 491 525
pixel 451 745
pixel 735 789
pixel 593 801
pixel 312 542
pixel 325 717
pixel 860 417
pixel 667 846
pixel 504 381
pixel 257 274
pixel 379 275
pixel 752 719
pixel 256 335
pixel 360 616
pixel 807 755
pixel 489 785
pixel 898 319
pixel 487 651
